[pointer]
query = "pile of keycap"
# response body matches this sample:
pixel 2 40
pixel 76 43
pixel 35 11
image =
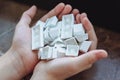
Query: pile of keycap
pixel 55 39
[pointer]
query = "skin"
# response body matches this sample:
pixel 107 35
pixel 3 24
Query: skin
pixel 20 60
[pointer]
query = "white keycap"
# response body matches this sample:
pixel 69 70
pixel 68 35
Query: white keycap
pixel 71 41
pixel 59 24
pixel 82 37
pixel 35 37
pixel 41 37
pixel 44 52
pixel 72 50
pixel 51 22
pixel 67 20
pixel 61 49
pixel 84 46
pixel 61 52
pixel 40 23
pixel 46 23
pixel 47 37
pixel 54 55
pixel 66 32
pixel 50 53
pixel 54 33
pixel 60 45
pixel 78 29
pixel 57 41
pixel 45 34
pixel 39 53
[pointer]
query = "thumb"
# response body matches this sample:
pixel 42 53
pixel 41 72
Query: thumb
pixel 86 60
pixel 71 66
pixel 28 15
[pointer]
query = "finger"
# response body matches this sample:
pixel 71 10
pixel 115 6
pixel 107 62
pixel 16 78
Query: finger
pixel 65 11
pixel 75 64
pixel 78 18
pixel 75 12
pixel 83 15
pixel 90 30
pixel 54 12
pixel 86 23
pixel 28 15
pixel 91 57
pixel 86 60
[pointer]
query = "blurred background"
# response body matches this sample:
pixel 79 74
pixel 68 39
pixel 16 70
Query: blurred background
pixel 103 13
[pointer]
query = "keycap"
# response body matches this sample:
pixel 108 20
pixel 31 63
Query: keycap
pixel 44 52
pixel 72 50
pixel 84 46
pixel 78 29
pixel 51 22
pixel 71 41
pixel 82 37
pixel 35 37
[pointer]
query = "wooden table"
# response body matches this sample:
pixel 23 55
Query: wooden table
pixel 106 69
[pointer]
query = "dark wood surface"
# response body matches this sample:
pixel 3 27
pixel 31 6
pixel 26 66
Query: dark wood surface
pixel 106 69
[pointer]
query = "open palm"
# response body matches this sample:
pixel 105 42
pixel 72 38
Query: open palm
pixel 62 68
pixel 21 45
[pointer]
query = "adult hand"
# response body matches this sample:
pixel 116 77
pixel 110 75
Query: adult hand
pixel 62 68
pixel 20 59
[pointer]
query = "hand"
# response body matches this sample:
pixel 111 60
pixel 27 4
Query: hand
pixel 62 68
pixel 20 59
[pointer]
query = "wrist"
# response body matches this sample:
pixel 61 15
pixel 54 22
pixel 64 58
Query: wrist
pixel 10 63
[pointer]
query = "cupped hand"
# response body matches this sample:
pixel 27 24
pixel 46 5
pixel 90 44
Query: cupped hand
pixel 24 58
pixel 62 68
